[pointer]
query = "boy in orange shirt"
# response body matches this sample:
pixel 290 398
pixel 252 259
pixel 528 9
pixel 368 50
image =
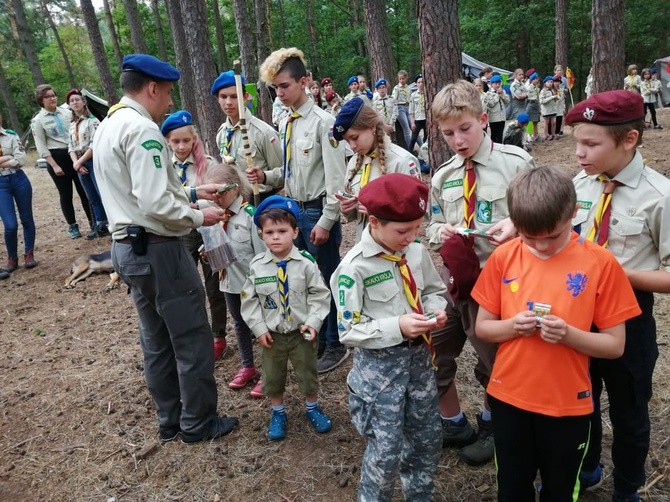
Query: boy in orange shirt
pixel 538 297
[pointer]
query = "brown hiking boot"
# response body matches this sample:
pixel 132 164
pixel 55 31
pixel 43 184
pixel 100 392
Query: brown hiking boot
pixel 30 260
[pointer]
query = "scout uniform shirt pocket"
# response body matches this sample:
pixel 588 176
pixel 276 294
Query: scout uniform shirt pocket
pixel 239 232
pixel 452 200
pixel 304 151
pixel 268 294
pixel 626 235
pixel 491 204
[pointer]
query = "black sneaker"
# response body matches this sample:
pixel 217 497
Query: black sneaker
pixel 482 450
pixel 168 432
pixel 590 480
pixel 332 357
pixel 617 497
pixel 218 426
pixel 458 434
pixel 4 274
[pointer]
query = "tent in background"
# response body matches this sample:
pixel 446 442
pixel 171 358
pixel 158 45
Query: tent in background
pixel 472 67
pixel 662 66
pixel 97 106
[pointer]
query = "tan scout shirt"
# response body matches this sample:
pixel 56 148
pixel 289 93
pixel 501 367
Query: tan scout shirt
pixel 309 297
pixel 386 108
pixel 81 134
pixel 398 160
pixel 263 140
pixel 10 146
pixel 247 243
pixel 417 106
pixel 51 130
pixel 548 102
pixel 639 231
pixel 317 162
pixel 495 166
pixel 137 183
pixel 401 94
pixel 368 291
pixel 494 105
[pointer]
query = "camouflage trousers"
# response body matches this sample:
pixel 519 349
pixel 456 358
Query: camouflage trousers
pixel 393 404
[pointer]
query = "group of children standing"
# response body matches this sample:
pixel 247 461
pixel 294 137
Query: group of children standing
pixel 541 309
pixel 647 84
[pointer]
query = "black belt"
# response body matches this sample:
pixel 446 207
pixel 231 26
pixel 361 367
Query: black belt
pixel 410 342
pixel 152 238
pixel 316 203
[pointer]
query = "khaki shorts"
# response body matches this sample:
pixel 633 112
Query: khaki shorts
pixel 302 354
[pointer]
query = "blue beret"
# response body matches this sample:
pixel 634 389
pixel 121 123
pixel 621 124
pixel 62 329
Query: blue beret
pixel 523 118
pixel 226 79
pixel 548 78
pixel 346 117
pixel 652 70
pixel 150 66
pixel 352 80
pixel 495 78
pixel 178 119
pixel 380 82
pixel 533 76
pixel 277 202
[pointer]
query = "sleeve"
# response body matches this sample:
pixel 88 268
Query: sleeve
pixel 270 148
pixel 505 97
pixel 70 141
pixel 318 297
pixel 615 300
pixel 437 218
pixel 545 97
pixel 18 152
pixel 394 114
pixel 355 328
pixel 660 231
pixel 486 291
pixel 39 134
pixel 333 165
pixel 434 289
pixel 95 123
pixel 250 306
pixel 412 106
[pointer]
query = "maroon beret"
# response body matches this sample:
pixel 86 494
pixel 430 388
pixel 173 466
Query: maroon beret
pixel 71 92
pixel 395 197
pixel 463 264
pixel 330 95
pixel 326 80
pixel 529 72
pixel 608 108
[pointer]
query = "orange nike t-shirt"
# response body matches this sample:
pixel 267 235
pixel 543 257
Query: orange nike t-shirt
pixel 585 285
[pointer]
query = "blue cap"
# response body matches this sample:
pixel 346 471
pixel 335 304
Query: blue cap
pixel 277 202
pixel 226 79
pixel 652 70
pixel 150 66
pixel 380 82
pixel 346 117
pixel 523 118
pixel 352 80
pixel 416 79
pixel 548 78
pixel 178 119
pixel 495 78
pixel 533 76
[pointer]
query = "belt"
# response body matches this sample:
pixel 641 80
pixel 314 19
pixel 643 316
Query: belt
pixel 8 171
pixel 316 203
pixel 410 342
pixel 151 238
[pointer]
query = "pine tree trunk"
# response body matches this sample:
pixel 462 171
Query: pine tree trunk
pixel 313 51
pixel 61 47
pixel 112 33
pixel 262 51
pixel 379 41
pixel 201 63
pixel 246 40
pixel 135 25
pixel 562 33
pixel 440 39
pixel 523 41
pixel 25 40
pixel 159 30
pixel 6 94
pixel 414 65
pixel 186 83
pixel 222 53
pixel 282 23
pixel 607 36
pixel 98 48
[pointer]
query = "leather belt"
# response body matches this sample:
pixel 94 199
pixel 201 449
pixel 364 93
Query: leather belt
pixel 410 342
pixel 8 171
pixel 316 203
pixel 151 238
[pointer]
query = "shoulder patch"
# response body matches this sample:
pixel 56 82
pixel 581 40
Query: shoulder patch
pixel 377 278
pixel 307 255
pixel 331 139
pixel 11 131
pixel 250 209
pixel 157 161
pixel 346 281
pixel 151 144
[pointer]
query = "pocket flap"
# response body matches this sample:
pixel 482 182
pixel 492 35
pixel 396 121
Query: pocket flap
pixel 491 193
pixel 626 226
pixel 304 143
pixel 134 269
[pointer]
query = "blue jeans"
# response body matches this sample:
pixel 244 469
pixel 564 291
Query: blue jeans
pixel 403 118
pixel 327 258
pixel 17 187
pixel 93 194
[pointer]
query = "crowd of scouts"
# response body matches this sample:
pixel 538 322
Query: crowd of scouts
pixel 550 279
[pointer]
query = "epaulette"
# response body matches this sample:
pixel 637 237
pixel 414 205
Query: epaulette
pixel 250 209
pixel 116 107
pixel 11 131
pixel 307 255
pixel 514 150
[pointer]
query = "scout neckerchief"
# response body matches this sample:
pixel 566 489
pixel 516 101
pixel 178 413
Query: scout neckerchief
pixel 282 283
pixel 601 222
pixel 61 129
pixel 469 197
pixel 227 147
pixel 367 161
pixel 182 173
pixel 412 295
pixel 287 144
pixel 383 100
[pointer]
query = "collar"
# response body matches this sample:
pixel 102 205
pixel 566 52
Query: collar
pixel 230 125
pixel 236 206
pixel 136 106
pixel 304 109
pixel 268 256
pixel 370 247
pixel 44 111
pixel 482 154
pixel 176 161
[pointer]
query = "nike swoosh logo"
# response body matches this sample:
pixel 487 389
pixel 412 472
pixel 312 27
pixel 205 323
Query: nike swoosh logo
pixel 507 281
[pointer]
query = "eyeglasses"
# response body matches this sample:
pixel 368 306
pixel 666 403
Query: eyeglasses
pixel 49 96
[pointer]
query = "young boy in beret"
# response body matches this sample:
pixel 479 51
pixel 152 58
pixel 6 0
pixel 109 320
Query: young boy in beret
pixel 389 296
pixel 516 134
pixel 352 84
pixel 312 172
pixel 539 296
pixel 468 193
pixel 495 102
pixel 385 105
pixel 284 302
pixel 624 206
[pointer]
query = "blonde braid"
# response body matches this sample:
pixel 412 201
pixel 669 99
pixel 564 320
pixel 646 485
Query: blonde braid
pixel 381 147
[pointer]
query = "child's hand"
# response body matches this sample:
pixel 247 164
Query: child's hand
pixel 255 175
pixel 266 340
pixel 308 333
pixel 447 231
pixel 524 323
pixel 441 318
pixel 347 204
pixel 553 329
pixel 414 325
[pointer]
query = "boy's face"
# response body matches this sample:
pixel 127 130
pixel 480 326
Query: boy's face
pixel 402 79
pixel 597 152
pixel 279 237
pixel 227 99
pixel 394 235
pixel 464 133
pixel 382 90
pixel 495 86
pixel 547 244
pixel 291 92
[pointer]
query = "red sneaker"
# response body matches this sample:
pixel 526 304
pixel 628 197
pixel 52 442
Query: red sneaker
pixel 257 391
pixel 220 348
pixel 243 377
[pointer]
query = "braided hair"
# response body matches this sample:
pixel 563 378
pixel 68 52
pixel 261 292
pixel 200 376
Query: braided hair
pixel 369 118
